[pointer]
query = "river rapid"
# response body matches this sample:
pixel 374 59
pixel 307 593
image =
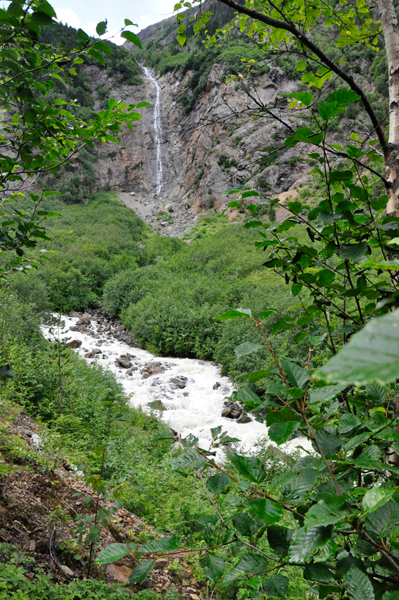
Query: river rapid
pixel 188 394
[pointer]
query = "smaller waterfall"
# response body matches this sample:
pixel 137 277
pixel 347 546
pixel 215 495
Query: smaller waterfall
pixel 157 126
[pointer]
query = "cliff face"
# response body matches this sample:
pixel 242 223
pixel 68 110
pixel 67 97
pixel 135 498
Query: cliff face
pixel 233 134
pixel 219 144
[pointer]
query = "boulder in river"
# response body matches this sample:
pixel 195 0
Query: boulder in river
pixel 179 382
pixel 84 320
pixel 93 353
pixel 216 386
pixel 157 405
pixel 75 344
pixel 123 363
pixel 152 369
pixel 244 418
pixel 231 410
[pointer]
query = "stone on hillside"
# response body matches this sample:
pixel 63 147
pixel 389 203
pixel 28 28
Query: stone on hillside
pixel 120 574
pixel 67 571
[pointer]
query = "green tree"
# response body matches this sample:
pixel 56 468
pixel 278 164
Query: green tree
pixel 335 513
pixel 39 134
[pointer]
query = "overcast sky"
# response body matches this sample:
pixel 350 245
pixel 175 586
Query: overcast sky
pixel 87 13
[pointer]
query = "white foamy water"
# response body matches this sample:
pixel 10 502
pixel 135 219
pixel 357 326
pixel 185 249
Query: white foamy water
pixel 194 409
pixel 157 127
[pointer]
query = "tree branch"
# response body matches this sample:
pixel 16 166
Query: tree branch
pixel 290 27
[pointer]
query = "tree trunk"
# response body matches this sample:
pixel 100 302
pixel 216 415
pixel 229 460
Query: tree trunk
pixel 390 30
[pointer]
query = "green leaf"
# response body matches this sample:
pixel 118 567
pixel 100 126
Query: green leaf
pixel 354 252
pixel 358 585
pixel 140 573
pixel 101 27
pixel 329 443
pixel 317 572
pixel 279 539
pixel 379 203
pixel 217 483
pixel 348 422
pixel 235 314
pixel 216 431
pixel 262 508
pixel 325 393
pixel 301 65
pixel 380 522
pixel 132 37
pixel 343 96
pixel 244 524
pixel 376 497
pixel 304 97
pixel 83 35
pixel 163 545
pixel 253 377
pixel 181 38
pixel 326 591
pixel 301 483
pixel 321 514
pixel 376 392
pixel 338 176
pixel 391 596
pixel 306 540
pixel 296 376
pixel 371 355
pixel 112 553
pixel 249 564
pixel 276 585
pixel 252 224
pixel 284 415
pixel 189 459
pixel 213 567
pixel 246 348
pixel 129 22
pixel 249 467
pixel 247 396
pixel 281 432
pixel 330 109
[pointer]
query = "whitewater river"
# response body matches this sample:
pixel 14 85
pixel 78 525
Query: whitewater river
pixel 193 409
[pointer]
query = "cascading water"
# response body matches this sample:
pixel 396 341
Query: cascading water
pixel 190 392
pixel 157 127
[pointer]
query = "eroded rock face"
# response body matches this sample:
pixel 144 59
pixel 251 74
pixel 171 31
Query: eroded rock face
pixel 203 153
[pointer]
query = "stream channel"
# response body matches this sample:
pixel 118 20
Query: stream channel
pixel 186 393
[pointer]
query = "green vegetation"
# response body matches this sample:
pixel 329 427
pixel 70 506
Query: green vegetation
pixel 92 243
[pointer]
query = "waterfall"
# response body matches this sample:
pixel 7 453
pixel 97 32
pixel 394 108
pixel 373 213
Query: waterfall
pixel 157 127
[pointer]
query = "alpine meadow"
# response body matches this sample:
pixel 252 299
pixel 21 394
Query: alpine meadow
pixel 199 303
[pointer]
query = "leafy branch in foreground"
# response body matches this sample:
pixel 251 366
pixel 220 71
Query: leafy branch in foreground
pixel 335 513
pixel 39 134
pixel 343 534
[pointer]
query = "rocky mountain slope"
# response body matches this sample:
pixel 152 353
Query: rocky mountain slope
pixel 213 137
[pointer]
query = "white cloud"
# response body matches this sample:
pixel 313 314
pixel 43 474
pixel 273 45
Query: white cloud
pixel 68 17
pixel 146 20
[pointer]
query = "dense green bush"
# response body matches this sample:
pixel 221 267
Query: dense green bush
pixel 170 307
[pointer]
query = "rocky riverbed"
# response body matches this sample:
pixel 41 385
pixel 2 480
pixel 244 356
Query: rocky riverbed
pixel 189 394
